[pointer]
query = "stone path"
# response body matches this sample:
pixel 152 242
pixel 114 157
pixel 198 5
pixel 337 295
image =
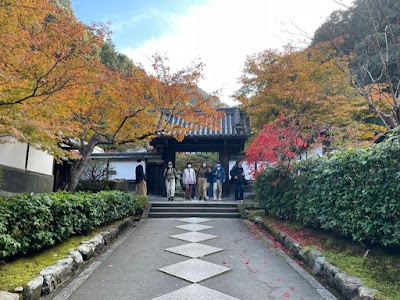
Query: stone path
pixel 193 258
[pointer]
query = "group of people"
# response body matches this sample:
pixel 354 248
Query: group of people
pixel 206 181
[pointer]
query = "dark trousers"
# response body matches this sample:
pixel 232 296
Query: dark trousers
pixel 188 190
pixel 193 194
pixel 238 190
pixel 210 190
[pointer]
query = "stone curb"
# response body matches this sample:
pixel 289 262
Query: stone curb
pixel 146 211
pixel 51 277
pixel 242 210
pixel 349 287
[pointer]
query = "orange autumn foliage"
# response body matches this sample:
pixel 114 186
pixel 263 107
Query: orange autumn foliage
pixel 53 87
pixel 135 106
pixel 306 85
pixel 45 56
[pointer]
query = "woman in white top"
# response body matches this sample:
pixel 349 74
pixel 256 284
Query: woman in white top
pixel 189 180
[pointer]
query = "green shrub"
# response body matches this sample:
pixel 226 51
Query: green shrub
pixel 141 202
pixel 274 192
pixel 91 185
pixel 95 185
pixel 355 193
pixel 31 222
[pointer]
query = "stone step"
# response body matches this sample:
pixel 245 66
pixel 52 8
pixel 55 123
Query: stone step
pixel 193 214
pixel 193 209
pixel 250 196
pixel 209 209
pixel 193 204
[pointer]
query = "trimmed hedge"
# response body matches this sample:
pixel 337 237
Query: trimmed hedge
pixel 31 222
pixel 355 193
pixel 102 185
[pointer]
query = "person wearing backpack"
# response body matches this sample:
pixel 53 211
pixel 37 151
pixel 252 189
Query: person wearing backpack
pixel 170 176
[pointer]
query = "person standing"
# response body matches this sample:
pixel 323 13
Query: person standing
pixel 237 174
pixel 189 180
pixel 170 175
pixel 202 174
pixel 141 187
pixel 218 179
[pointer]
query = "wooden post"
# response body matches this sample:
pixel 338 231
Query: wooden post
pixel 224 160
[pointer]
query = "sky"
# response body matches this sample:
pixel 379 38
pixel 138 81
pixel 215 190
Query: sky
pixel 221 33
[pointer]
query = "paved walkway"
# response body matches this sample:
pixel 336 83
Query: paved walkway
pixel 193 258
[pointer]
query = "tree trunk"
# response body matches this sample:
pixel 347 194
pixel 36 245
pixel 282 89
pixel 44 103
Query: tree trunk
pixel 81 164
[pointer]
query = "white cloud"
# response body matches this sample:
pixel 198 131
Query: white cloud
pixel 222 33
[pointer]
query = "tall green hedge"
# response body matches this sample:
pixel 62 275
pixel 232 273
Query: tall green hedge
pixel 30 222
pixel 355 193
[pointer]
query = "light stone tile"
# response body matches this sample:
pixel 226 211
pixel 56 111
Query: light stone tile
pixel 194 220
pixel 194 250
pixel 194 270
pixel 193 237
pixel 194 227
pixel 195 291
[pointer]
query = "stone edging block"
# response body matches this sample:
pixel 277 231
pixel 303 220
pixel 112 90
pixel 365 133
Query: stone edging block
pixel 8 296
pixel 52 276
pixel 33 289
pixel 350 287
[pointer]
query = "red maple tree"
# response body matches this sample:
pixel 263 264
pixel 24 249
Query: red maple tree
pixel 279 143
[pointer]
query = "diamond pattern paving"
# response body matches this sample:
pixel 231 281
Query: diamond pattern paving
pixel 194 270
pixel 194 250
pixel 194 220
pixel 195 291
pixel 194 227
pixel 193 237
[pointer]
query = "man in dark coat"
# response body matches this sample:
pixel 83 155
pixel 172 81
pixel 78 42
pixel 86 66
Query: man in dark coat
pixel 237 174
pixel 141 187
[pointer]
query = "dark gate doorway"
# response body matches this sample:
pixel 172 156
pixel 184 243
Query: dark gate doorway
pixel 228 141
pixel 155 180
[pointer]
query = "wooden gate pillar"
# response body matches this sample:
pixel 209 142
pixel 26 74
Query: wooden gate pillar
pixel 224 160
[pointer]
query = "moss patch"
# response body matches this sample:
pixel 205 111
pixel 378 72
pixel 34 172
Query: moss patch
pixel 20 271
pixel 379 268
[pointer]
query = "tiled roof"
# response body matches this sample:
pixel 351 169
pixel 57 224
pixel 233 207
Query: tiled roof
pixel 234 123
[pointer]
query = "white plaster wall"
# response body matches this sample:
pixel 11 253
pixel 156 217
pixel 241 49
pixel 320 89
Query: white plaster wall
pixel 247 171
pixel 40 162
pixel 314 151
pixel 12 153
pixel 125 169
pixel 98 150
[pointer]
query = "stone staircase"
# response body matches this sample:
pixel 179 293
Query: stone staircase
pixel 201 209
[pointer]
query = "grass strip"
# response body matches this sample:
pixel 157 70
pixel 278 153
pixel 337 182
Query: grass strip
pixel 19 271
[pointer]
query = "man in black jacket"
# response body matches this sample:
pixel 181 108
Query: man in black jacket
pixel 237 174
pixel 141 187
